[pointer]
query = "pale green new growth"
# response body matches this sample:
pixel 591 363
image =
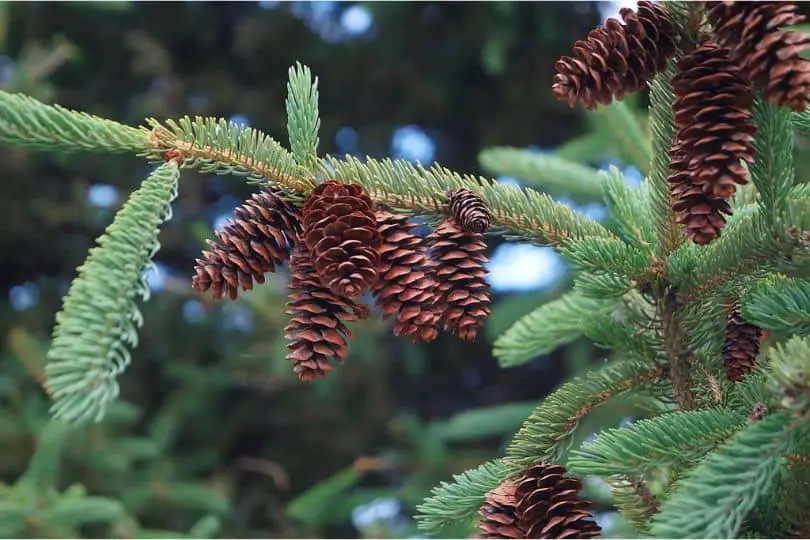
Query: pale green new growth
pixel 713 499
pixel 303 121
pixel 772 171
pixel 27 122
pixel 459 500
pixel 545 171
pixel 680 436
pixel 550 326
pixel 99 322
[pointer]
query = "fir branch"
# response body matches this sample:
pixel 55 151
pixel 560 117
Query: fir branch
pixel 801 121
pixel 601 285
pixel 622 124
pixel 629 208
pixel 787 373
pixel 99 319
pixel 669 439
pixel 303 120
pixel 550 326
pixel 516 214
pixel 713 499
pixel 662 126
pixel 451 502
pixel 547 433
pixel 216 146
pixel 772 171
pixel 634 500
pixel 606 255
pixel 583 149
pixel 779 303
pixel 545 171
pixel 26 122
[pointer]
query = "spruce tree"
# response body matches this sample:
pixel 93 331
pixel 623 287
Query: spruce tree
pixel 697 284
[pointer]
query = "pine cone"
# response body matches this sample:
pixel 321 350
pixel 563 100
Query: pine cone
pixel 316 331
pixel 617 59
pixel 341 233
pixel 549 505
pixel 406 285
pixel 769 57
pixel 498 514
pixel 469 210
pixel 248 246
pixel 700 214
pixel 741 346
pixel 463 289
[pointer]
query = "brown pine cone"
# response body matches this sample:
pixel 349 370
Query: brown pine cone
pixel 469 210
pixel 340 230
pixel 317 333
pixel 462 285
pixel 700 214
pixel 248 246
pixel 549 505
pixel 498 517
pixel 406 285
pixel 741 345
pixel 617 59
pixel 769 57
pixel 712 110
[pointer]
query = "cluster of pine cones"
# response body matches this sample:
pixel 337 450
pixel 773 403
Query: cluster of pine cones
pixel 719 70
pixel 340 246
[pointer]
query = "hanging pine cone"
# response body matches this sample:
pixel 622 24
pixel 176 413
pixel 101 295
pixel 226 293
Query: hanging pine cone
pixel 463 289
pixel 406 285
pixel 741 345
pixel 769 57
pixel 469 210
pixel 248 246
pixel 712 110
pixel 549 505
pixel 316 333
pixel 498 517
pixel 340 231
pixel 617 59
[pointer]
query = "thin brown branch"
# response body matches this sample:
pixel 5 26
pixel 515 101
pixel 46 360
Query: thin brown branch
pixel 678 356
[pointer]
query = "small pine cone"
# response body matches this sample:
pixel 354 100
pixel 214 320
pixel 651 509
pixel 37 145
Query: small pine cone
pixel 549 505
pixel 713 119
pixel 741 345
pixel 406 285
pixel 340 230
pixel 617 59
pixel 498 514
pixel 700 214
pixel 469 210
pixel 316 331
pixel 462 285
pixel 769 57
pixel 248 246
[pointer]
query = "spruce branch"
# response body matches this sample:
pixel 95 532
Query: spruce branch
pixel 669 439
pixel 547 433
pixel 787 373
pixel 99 320
pixel 583 149
pixel 772 171
pixel 516 214
pixel 713 499
pixel 303 120
pixel 630 209
pixel 633 499
pixel 550 326
pixel 548 172
pixel 26 122
pixel 460 499
pixel 607 255
pixel 779 303
pixel 621 123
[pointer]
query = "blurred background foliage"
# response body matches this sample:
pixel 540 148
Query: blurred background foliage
pixel 213 435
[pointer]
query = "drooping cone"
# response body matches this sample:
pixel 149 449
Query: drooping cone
pixel 462 285
pixel 741 345
pixel 316 333
pixel 700 214
pixel 469 210
pixel 617 59
pixel 769 57
pixel 406 286
pixel 549 505
pixel 498 514
pixel 248 246
pixel 713 123
pixel 340 230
